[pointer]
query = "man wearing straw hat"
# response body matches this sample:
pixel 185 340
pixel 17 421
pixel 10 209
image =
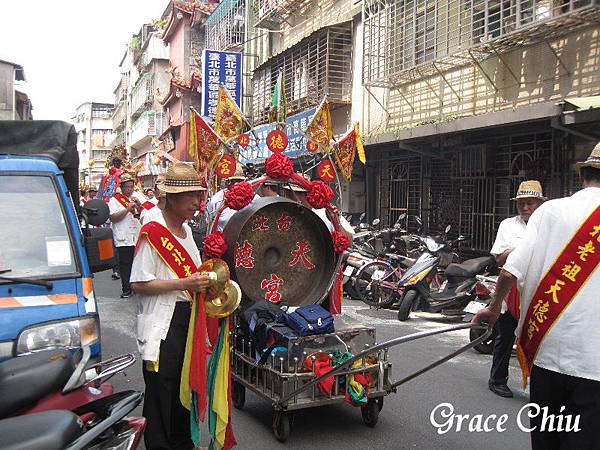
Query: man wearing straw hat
pixel 123 207
pixel 558 334
pixel 510 232
pixel 165 277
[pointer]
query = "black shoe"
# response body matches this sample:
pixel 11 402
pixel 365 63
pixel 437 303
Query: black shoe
pixel 500 389
pixel 126 294
pixel 116 276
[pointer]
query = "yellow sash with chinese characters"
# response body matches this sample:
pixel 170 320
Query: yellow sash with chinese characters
pixel 565 277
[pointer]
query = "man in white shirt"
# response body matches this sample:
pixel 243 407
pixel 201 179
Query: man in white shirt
pixel 148 215
pixel 164 291
pixel 126 227
pixel 558 334
pixel 510 232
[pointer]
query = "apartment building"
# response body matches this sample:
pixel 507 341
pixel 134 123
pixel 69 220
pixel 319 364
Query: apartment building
pixel 14 101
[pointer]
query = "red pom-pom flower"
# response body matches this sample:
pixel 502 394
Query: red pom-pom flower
pixel 279 166
pixel 340 241
pixel 319 195
pixel 239 195
pixel 215 245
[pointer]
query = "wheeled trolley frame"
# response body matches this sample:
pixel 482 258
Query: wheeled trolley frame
pixel 288 385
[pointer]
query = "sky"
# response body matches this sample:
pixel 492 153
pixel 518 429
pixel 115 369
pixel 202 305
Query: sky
pixel 70 49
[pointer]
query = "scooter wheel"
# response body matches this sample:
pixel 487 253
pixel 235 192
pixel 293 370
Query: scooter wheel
pixel 407 304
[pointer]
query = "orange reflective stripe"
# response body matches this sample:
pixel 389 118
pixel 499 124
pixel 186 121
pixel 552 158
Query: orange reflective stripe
pixel 62 299
pixel 106 249
pixel 9 302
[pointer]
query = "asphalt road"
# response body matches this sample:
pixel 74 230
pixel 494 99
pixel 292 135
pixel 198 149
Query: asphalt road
pixel 404 422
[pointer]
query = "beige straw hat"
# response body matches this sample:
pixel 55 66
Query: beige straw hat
pixel 530 189
pixel 295 187
pixel 592 161
pixel 239 173
pixel 181 177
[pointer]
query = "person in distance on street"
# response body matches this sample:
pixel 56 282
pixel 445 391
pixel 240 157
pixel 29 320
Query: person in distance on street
pixel 555 265
pixel 510 232
pixel 125 227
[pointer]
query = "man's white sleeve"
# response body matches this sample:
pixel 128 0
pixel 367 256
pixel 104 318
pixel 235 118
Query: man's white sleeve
pixel 519 259
pixel 501 243
pixel 114 206
pixel 144 263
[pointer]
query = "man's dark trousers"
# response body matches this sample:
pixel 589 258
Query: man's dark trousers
pixel 579 396
pixel 125 262
pixel 503 345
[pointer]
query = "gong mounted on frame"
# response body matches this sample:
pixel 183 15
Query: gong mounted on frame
pixel 279 250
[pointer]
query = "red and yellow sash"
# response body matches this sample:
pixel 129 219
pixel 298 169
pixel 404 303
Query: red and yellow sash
pixel 122 200
pixel 148 205
pixel 170 250
pixel 556 290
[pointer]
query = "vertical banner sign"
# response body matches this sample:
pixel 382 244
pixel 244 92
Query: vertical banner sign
pixel 225 68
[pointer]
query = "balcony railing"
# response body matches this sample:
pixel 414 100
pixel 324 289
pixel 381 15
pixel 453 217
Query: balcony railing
pixel 225 27
pixel 119 116
pixel 149 124
pixel 406 40
pixel 142 94
pixel 313 68
pixel 271 14
pixel 100 155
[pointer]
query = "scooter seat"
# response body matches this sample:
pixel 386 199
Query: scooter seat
pixel 470 267
pixel 26 379
pixel 48 430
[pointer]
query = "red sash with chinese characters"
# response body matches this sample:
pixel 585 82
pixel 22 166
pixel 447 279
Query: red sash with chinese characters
pixel 170 250
pixel 148 205
pixel 565 277
pixel 122 200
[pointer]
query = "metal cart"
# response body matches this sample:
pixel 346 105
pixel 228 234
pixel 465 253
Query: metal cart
pixel 288 385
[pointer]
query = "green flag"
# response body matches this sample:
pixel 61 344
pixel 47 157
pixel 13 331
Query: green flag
pixel 278 111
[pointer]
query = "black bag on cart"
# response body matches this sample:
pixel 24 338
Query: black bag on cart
pixel 257 321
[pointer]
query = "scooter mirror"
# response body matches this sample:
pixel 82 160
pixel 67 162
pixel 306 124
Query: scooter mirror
pixel 95 212
pixel 376 222
pixel 448 228
pixel 361 217
pixel 401 217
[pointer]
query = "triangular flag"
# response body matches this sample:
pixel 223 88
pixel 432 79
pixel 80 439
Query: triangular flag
pixel 344 151
pixel 278 111
pixel 207 143
pixel 193 143
pixel 229 120
pixel 319 128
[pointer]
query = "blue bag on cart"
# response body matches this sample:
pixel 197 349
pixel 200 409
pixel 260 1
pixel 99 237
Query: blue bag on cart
pixel 308 320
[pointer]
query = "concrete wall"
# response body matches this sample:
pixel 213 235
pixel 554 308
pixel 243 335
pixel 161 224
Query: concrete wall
pixel 539 77
pixel 7 91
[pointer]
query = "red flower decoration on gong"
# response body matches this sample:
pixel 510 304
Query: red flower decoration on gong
pixel 279 166
pixel 340 241
pixel 215 245
pixel 239 195
pixel 319 195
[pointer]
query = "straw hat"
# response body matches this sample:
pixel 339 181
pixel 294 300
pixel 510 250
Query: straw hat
pixel 592 161
pixel 530 189
pixel 181 177
pixel 239 173
pixel 125 177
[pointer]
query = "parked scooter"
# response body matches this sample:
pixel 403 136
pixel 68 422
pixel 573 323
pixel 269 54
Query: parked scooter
pixel 484 290
pixel 50 399
pixel 98 425
pixel 55 379
pixel 456 292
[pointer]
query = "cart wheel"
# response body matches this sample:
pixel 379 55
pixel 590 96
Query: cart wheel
pixel 238 395
pixel 281 426
pixel 380 403
pixel 370 413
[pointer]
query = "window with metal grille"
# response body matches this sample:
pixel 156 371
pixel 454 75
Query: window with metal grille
pixel 319 65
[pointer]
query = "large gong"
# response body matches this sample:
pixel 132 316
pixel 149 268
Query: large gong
pixel 278 250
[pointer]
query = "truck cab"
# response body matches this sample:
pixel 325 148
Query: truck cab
pixel 47 259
